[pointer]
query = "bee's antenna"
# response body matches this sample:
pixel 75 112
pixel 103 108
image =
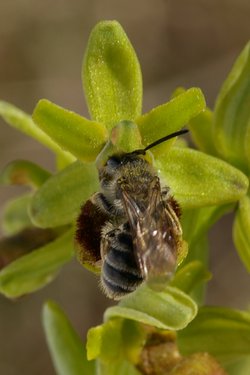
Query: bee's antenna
pixel 159 141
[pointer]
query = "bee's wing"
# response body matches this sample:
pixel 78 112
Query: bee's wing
pixel 156 233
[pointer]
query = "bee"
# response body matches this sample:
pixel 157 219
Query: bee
pixel 130 229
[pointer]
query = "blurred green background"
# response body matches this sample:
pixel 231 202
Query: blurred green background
pixel 178 42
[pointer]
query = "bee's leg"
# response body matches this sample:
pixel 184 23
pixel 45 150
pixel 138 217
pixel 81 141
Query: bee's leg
pixel 103 204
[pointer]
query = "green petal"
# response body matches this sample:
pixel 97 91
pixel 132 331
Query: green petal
pixel 111 75
pixel 59 200
pixel 24 123
pixel 23 172
pixel 222 332
pixel 15 215
pixel 34 270
pixel 232 114
pixel 189 276
pixel 81 137
pixel 67 350
pixel 197 179
pixel 170 309
pixel 170 117
pixel 241 231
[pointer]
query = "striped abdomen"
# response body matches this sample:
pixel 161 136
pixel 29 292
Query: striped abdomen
pixel 120 271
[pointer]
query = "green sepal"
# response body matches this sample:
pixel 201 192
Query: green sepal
pixel 197 179
pixel 24 242
pixel 241 231
pixel 59 200
pixel 170 309
pixel 222 332
pixel 15 215
pixel 232 114
pixel 81 137
pixel 170 117
pixel 66 348
pixel 189 276
pixel 115 340
pixel 240 367
pixel 105 341
pixel 121 367
pixel 201 128
pixel 124 138
pixel 111 75
pixel 195 224
pixel 23 122
pixel 34 270
pixel 23 172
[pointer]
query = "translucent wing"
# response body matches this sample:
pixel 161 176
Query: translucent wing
pixel 156 234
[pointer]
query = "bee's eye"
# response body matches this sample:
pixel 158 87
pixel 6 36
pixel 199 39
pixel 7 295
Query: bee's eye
pixel 113 162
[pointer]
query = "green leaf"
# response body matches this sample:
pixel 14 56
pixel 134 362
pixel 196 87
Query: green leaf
pixel 81 137
pixel 67 350
pixel 187 277
pixel 222 332
pixel 232 114
pixel 198 180
pixel 15 215
pixel 170 117
pixel 170 309
pixel 111 75
pixel 34 270
pixel 241 231
pixel 59 200
pixel 24 123
pixel 23 172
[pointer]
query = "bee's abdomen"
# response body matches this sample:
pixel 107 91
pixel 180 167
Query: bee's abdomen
pixel 120 272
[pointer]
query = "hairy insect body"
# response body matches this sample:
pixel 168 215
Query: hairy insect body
pixel 135 226
pixel 121 273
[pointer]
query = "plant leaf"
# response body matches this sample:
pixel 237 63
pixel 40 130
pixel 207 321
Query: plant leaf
pixel 15 215
pixel 59 200
pixel 81 137
pixel 170 309
pixel 24 123
pixel 241 231
pixel 199 180
pixel 232 114
pixel 111 75
pixel 170 117
pixel 67 350
pixel 34 270
pixel 222 332
pixel 23 172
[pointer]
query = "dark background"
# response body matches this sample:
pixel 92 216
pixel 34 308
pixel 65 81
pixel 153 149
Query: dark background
pixel 178 42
